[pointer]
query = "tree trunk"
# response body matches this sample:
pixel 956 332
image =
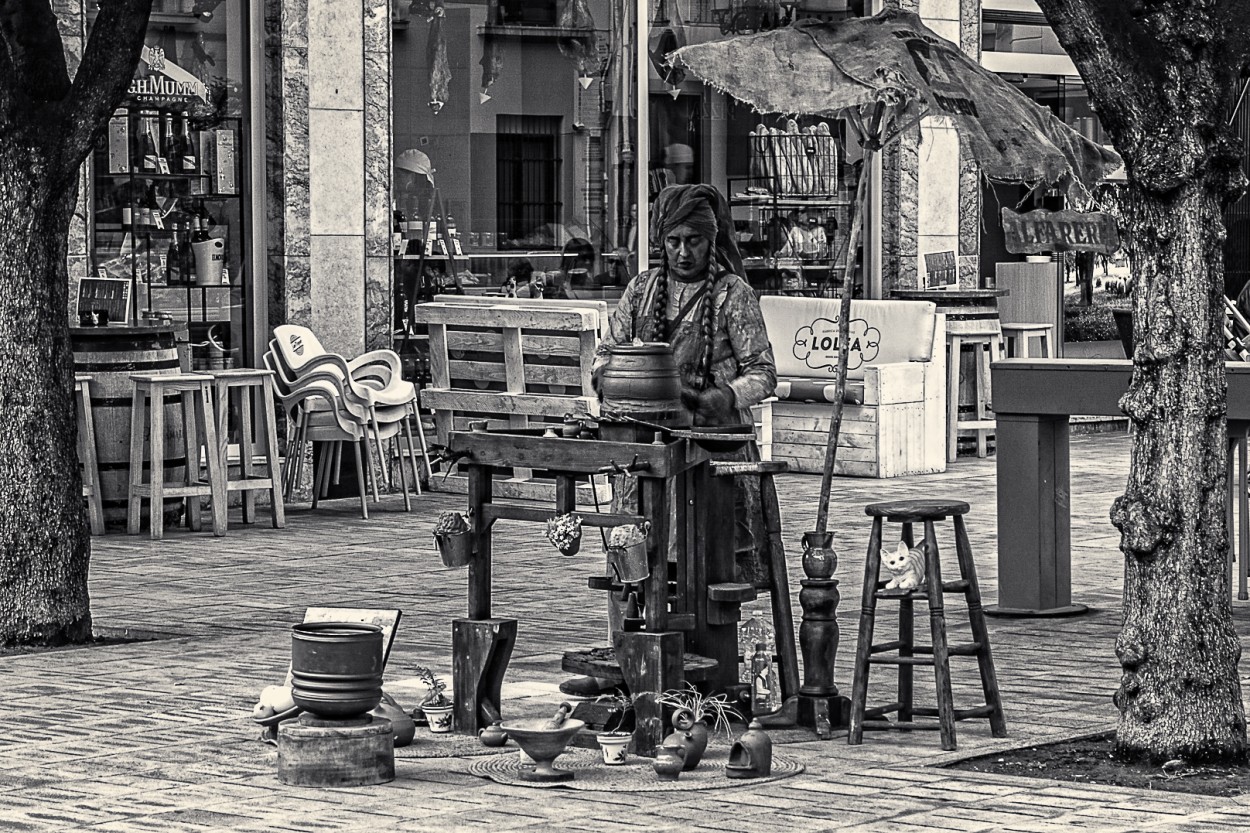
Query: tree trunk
pixel 1179 695
pixel 44 542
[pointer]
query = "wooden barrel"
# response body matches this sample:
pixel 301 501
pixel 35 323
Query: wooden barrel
pixel 110 355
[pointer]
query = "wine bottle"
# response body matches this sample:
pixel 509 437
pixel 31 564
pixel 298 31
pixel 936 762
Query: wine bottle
pixel 399 224
pixel 169 142
pixel 148 153
pixel 173 266
pixel 190 159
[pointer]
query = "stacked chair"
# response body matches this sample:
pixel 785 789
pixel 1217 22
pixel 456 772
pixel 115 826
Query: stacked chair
pixel 332 400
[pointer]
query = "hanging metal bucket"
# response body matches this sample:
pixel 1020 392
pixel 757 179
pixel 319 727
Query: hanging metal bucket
pixel 629 564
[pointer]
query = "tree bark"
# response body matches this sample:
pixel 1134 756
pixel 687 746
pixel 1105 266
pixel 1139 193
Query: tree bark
pixel 44 541
pixel 1162 74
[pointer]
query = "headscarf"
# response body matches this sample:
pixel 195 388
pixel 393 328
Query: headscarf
pixel 704 209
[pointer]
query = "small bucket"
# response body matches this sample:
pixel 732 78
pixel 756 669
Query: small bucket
pixel 456 549
pixel 629 563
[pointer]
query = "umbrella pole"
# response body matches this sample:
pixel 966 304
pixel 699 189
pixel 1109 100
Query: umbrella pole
pixel 844 332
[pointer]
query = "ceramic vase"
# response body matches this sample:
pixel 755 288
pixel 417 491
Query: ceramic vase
pixel 691 734
pixel 819 559
pixel 614 746
pixel 668 763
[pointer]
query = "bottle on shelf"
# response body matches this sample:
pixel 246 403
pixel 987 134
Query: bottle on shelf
pixel 173 263
pixel 199 230
pixel 399 225
pixel 148 152
pixel 190 158
pixel 186 257
pixel 169 143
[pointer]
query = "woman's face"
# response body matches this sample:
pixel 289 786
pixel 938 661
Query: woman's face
pixel 687 252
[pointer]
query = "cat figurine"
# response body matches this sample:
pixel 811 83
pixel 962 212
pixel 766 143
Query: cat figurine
pixel 906 565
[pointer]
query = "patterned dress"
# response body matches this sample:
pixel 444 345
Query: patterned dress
pixel 742 359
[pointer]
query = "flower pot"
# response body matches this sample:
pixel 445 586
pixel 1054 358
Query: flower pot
pixel 573 548
pixel 613 745
pixel 439 717
pixel 456 549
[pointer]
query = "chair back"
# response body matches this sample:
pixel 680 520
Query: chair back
pixel 296 345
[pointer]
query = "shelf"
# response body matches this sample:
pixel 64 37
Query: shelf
pixel 769 201
pixel 148 175
pixel 483 256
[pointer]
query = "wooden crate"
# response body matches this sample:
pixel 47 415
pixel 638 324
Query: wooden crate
pixel 512 364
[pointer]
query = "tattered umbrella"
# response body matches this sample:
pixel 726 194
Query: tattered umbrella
pixel 883 74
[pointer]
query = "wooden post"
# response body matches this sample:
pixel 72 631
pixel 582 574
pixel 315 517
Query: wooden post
pixel 651 664
pixel 480 653
pixel 711 563
pixel 479 566
pixel 653 493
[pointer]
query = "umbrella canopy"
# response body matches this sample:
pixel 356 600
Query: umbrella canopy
pixel 895 61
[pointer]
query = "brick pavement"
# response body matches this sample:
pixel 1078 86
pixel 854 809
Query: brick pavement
pixel 155 736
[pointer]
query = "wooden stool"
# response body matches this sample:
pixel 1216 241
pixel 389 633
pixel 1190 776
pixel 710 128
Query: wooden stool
pixel 197 411
pixel 1016 336
pixel 979 334
pixel 244 381
pixel 87 455
pixel 908 512
pixel 1239 503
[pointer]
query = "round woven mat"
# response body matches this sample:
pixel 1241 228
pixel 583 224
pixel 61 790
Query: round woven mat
pixel 636 775
pixel 429 744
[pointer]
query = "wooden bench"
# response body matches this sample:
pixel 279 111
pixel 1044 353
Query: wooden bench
pixel 894 410
pixel 513 363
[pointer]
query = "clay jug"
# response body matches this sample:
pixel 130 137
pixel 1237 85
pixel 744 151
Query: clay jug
pixel 641 381
pixel 493 735
pixel 691 735
pixel 668 764
pixel 819 559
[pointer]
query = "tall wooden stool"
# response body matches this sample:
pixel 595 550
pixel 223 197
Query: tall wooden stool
pixel 1016 337
pixel 244 381
pixel 983 336
pixel 200 426
pixel 908 654
pixel 87 454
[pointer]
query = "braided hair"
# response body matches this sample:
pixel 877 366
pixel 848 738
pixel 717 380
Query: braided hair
pixel 656 324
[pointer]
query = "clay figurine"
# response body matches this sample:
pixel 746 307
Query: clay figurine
pixel 751 756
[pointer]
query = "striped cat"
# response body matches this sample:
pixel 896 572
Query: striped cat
pixel 906 565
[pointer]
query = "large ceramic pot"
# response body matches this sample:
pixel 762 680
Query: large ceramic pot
pixel 691 735
pixel 641 381
pixel 336 668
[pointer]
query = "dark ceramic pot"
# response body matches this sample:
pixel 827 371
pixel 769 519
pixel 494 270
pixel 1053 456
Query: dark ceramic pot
pixel 641 381
pixel 336 668
pixel 819 558
pixel 691 735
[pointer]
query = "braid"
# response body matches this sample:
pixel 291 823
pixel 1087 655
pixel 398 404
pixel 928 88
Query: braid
pixel 708 330
pixel 659 306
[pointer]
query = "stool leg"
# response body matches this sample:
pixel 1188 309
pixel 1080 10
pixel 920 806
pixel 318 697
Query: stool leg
pixel 156 476
pixel 1047 347
pixel 221 411
pixel 937 624
pixel 863 647
pixel 90 465
pixel 1243 526
pixel 246 470
pixel 412 455
pixel 952 399
pixel 360 480
pixel 216 475
pixel 1023 346
pixel 403 474
pixel 907 638
pixel 976 619
pixel 270 415
pixel 980 367
pixel 138 419
pixel 193 440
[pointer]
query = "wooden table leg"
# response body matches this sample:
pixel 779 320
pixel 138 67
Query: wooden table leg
pixel 652 664
pixel 480 651
pixel 480 565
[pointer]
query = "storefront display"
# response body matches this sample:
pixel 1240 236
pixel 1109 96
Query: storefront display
pixel 168 211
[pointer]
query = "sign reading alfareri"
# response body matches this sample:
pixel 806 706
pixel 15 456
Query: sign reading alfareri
pixel 1059 231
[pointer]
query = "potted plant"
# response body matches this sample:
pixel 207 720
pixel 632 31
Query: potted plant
pixel 565 533
pixel 617 727
pixel 436 706
pixel 455 544
pixel 691 711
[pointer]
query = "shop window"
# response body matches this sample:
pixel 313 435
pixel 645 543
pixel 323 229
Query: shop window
pixel 528 182
pixel 527 12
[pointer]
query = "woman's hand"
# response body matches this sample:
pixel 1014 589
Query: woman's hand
pixel 715 406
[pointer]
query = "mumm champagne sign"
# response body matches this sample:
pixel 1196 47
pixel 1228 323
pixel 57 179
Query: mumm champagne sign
pixel 167 79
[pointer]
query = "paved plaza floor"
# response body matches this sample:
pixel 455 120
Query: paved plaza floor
pixel 156 735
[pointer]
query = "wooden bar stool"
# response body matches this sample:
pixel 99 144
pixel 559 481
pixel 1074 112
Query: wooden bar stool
pixel 200 426
pixel 907 654
pixel 87 453
pixel 244 381
pixel 1016 336
pixel 983 336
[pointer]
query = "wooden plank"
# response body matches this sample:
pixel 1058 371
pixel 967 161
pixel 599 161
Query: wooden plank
pixel 589 344
pixel 824 410
pixel 600 307
pixel 577 456
pixel 842 468
pixel 543 374
pixel 534 345
pixel 858 455
pixel 816 425
pixel 821 438
pixel 538 489
pixel 514 379
pixel 439 372
pixel 498 402
pixel 498 316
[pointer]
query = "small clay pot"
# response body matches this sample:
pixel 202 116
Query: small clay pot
pixel 669 763
pixel 691 734
pixel 493 735
pixel 819 558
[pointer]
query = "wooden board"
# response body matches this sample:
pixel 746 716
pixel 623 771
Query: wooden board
pixel 532 488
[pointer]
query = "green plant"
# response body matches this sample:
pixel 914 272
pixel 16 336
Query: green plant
pixel 450 523
pixel 434 688
pixel 702 706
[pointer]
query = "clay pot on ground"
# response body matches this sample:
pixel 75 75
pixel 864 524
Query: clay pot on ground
pixel 668 764
pixel 439 717
pixel 614 746
pixel 493 735
pixel 691 735
pixel 751 756
pixel 401 722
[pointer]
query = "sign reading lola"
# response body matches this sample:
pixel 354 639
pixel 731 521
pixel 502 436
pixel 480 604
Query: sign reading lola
pixel 1059 231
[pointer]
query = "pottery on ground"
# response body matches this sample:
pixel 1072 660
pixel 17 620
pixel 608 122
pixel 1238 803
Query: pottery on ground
pixel 751 756
pixel 669 763
pixel 336 668
pixel 544 745
pixel 614 746
pixel 691 734
pixel 439 717
pixel 492 735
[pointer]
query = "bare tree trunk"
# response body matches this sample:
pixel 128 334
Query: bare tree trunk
pixel 44 542
pixel 1179 694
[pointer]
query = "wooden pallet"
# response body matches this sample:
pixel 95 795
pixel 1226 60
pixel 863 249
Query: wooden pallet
pixel 513 365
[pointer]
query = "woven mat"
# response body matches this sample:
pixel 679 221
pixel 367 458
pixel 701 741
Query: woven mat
pixel 636 775
pixel 429 744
